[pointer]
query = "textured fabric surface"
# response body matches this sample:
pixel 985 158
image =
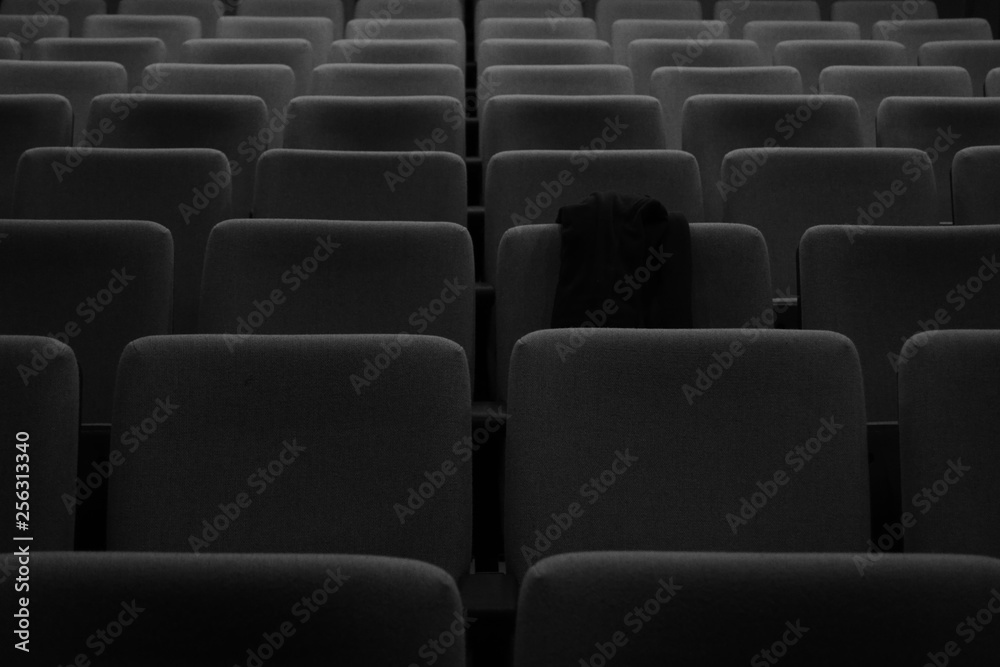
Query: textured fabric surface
pixel 237 125
pixel 789 190
pixel 730 282
pixel 47 408
pixel 673 86
pixel 866 13
pixel 948 425
pixel 75 11
pixel 141 184
pixel 249 404
pixel 319 31
pixel 132 53
pixel 614 415
pixel 882 286
pixel 55 26
pixel 206 12
pixel 532 28
pixel 768 34
pixel 714 125
pixel 367 28
pixel 978 58
pixel 555 80
pixel 409 123
pixel 493 52
pixel 944 126
pixel 376 279
pixel 387 80
pixel 232 608
pixel 390 51
pixel 29 121
pixel 993 83
pixel 812 56
pixel 737 13
pixel 173 31
pixel 116 291
pixel 524 9
pixel 331 9
pixel 915 33
pixel 628 30
pixel 975 197
pixel 10 49
pixel 524 187
pixel 336 185
pixel 731 609
pixel 296 53
pixel 645 56
pixel 609 11
pixel 409 9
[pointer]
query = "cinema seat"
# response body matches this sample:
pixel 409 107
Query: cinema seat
pixel 880 285
pixel 529 186
pixel 29 121
pixel 737 13
pixel 768 34
pixel 947 428
pixel 714 125
pixel 975 199
pixel 234 608
pixel 811 57
pixel 668 608
pixel 915 33
pixel 296 184
pixel 132 53
pixel 388 80
pixel 173 31
pixel 374 29
pixel 494 52
pixel 408 9
pixel 10 49
pixel 730 282
pixel 117 291
pixel 393 423
pixel 524 9
pixel 942 127
pixel 20 26
pixel 648 55
pixel 673 86
pixel 392 51
pixel 75 11
pixel 547 28
pixel 610 11
pixel 331 9
pixel 40 386
pixel 554 80
pixel 993 83
pixel 319 31
pixel 978 58
pixel 678 479
pixel 694 34
pixel 866 13
pixel 206 11
pixel 295 53
pixel 785 191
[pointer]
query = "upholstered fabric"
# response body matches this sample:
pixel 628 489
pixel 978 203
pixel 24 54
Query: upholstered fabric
pixel 730 281
pixel 978 58
pixel 785 191
pixel 993 83
pixel 536 28
pixel 812 56
pixel 366 28
pixel 331 9
pixel 609 11
pixel 942 126
pixel 915 33
pixel 349 425
pixel 626 31
pixel 881 285
pixel 768 34
pixel 408 9
pixel 295 53
pixel 17 26
pixel 737 13
pixel 234 608
pixel 173 31
pixel 948 422
pixel 555 80
pixel 645 56
pixel 206 11
pixel 75 11
pixel 387 80
pixel 10 49
pixel 714 125
pixel 687 424
pixel 319 31
pixel 493 52
pixel 673 86
pixel 132 53
pixel 866 13
pixel 390 51
pixel 99 300
pixel 29 121
pixel 40 386
pixel 975 197
pixel 524 9
pixel 733 609
pixel 185 190
pixel 347 185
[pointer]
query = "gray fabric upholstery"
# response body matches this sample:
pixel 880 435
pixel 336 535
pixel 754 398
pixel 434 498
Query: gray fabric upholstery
pixel 811 57
pixel 978 58
pixel 29 121
pixel 944 126
pixel 993 83
pixel 785 191
pixel 714 125
pixel 370 29
pixel 609 11
pixel 413 123
pixel 390 51
pixel 680 460
pixel 318 30
pixel 730 281
pixel 915 33
pixel 75 11
pixel 16 26
pixel 245 402
pixel 626 31
pixel 408 9
pixel 132 53
pixel 237 125
pixel 48 286
pixel 552 28
pixel 10 49
pixel 884 284
pixel 530 186
pixel 555 80
pixel 205 11
pixel 233 608
pixel 345 185
pixel 387 80
pixel 376 281
pixel 975 197
pixel 173 31
pixel 493 52
pixel 673 86
pixel 524 9
pixel 768 34
pixel 645 56
pixel 140 184
pixel 295 53
pixel 737 13
pixel 47 408
pixel 948 422
pixel 733 609
pixel 866 13
pixel 331 9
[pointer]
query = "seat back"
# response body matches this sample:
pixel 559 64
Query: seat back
pixel 524 9
pixel 554 80
pixel 132 53
pixel 811 57
pixel 866 13
pixel 331 9
pixel 768 34
pixel 737 13
pixel 609 11
pixel 206 11
pixel 493 52
pixel 317 30
pixel 915 33
pixel 408 9
pixel 975 200
pixel 645 56
pixel 694 34
pixel 374 29
pixel 402 51
pixel 22 28
pixel 293 53
pixel 388 80
pixel 978 58
pixel 29 121
pixel 10 49
pixel 75 11
pixel 173 31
